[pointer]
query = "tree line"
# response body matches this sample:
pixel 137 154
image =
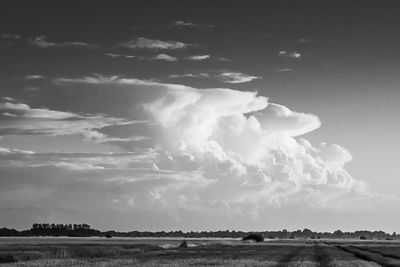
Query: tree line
pixel 84 230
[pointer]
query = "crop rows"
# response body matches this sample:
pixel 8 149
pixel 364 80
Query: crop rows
pixel 280 254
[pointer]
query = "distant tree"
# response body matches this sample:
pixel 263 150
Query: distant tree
pixel 254 237
pixel 338 234
pixel 108 234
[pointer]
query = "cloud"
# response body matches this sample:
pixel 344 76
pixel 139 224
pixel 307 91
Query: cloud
pixel 34 77
pixel 75 161
pixel 284 70
pixel 188 24
pixel 42 42
pixel 164 57
pixel 190 75
pixel 198 57
pixel 280 119
pixel 113 55
pixel 304 40
pixel 289 54
pixel 154 44
pixel 21 119
pixel 11 36
pixel 198 119
pixel 224 59
pixel 212 155
pixel 236 77
pixel 181 23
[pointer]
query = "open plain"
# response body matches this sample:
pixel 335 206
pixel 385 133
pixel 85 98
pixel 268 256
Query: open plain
pixel 44 251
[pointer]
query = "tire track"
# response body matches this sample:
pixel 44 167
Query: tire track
pixel 329 255
pixel 369 256
pixel 287 260
pixel 378 252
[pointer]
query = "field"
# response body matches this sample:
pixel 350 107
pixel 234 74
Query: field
pixel 201 252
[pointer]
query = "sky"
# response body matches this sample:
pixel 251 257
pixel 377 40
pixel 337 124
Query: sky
pixel 200 115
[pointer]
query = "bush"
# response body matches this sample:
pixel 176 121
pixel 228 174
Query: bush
pixel 363 237
pixel 183 244
pixel 254 237
pixel 108 235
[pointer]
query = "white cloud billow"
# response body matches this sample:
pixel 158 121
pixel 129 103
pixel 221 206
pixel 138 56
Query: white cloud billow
pixel 278 118
pixel 245 147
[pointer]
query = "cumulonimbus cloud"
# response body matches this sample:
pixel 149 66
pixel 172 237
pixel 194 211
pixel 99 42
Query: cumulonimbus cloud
pixel 235 146
pixel 210 153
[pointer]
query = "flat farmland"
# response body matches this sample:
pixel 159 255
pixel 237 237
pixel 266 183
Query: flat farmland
pixel 200 252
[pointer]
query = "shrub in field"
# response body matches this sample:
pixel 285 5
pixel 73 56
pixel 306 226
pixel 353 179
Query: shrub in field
pixel 254 237
pixel 183 244
pixel 363 237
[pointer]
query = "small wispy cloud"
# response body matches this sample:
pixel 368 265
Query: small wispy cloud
pixel 224 59
pixel 154 44
pixel 289 54
pixel 188 24
pixel 21 119
pixel 164 57
pixel 190 75
pixel 181 23
pixel 34 77
pixel 43 42
pixel 11 36
pixel 198 57
pixel 113 55
pixel 236 77
pixel 284 70
pixel 304 40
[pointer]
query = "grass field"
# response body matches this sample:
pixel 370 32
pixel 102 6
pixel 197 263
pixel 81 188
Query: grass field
pixel 201 252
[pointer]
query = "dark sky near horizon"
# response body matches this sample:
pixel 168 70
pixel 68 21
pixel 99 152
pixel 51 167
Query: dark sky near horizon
pixel 338 60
